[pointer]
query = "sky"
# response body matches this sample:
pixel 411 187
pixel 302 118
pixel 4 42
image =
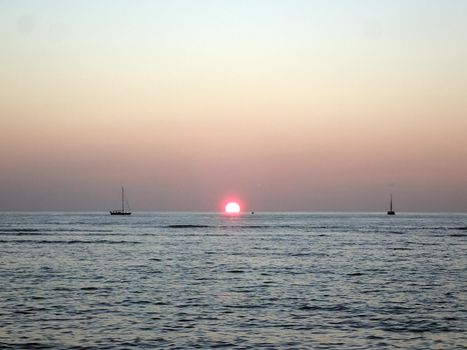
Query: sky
pixel 284 105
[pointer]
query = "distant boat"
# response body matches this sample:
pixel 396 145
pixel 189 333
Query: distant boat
pixel 121 211
pixel 390 211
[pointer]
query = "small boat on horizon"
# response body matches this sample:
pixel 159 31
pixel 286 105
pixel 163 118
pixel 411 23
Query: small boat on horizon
pixel 390 211
pixel 121 211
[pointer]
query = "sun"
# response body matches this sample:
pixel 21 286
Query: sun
pixel 232 208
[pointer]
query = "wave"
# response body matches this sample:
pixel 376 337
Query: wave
pixel 27 229
pixel 42 241
pixel 326 308
pixel 463 228
pixel 438 228
pixel 458 235
pixel 49 231
pixel 26 345
pixel 186 226
pixel 229 226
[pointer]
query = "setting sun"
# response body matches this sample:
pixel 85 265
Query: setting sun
pixel 232 207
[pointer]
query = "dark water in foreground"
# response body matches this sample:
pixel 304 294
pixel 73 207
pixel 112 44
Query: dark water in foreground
pixel 264 281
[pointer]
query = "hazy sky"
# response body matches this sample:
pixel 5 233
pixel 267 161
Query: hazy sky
pixel 286 105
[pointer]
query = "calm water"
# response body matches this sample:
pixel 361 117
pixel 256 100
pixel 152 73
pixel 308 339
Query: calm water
pixel 270 281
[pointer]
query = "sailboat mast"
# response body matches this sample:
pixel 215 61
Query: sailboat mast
pixel 391 203
pixel 123 199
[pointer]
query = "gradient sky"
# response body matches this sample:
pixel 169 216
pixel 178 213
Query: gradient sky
pixel 289 105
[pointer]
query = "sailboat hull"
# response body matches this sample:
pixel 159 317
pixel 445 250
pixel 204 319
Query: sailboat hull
pixel 390 212
pixel 119 212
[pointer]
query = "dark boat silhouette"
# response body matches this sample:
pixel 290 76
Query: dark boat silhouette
pixel 390 211
pixel 121 211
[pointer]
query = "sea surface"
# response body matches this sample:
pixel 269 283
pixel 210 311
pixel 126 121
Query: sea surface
pixel 262 281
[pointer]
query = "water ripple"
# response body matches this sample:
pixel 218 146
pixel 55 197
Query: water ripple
pixel 263 281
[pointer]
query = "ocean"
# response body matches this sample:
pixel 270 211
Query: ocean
pixel 207 280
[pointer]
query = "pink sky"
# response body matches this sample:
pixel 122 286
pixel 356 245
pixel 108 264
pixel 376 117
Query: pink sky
pixel 303 107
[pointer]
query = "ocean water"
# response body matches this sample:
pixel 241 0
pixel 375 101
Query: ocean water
pixel 263 281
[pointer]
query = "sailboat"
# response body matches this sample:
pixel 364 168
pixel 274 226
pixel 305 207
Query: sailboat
pixel 390 211
pixel 121 211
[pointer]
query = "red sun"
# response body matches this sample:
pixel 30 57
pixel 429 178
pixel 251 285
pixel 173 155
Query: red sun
pixel 232 208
